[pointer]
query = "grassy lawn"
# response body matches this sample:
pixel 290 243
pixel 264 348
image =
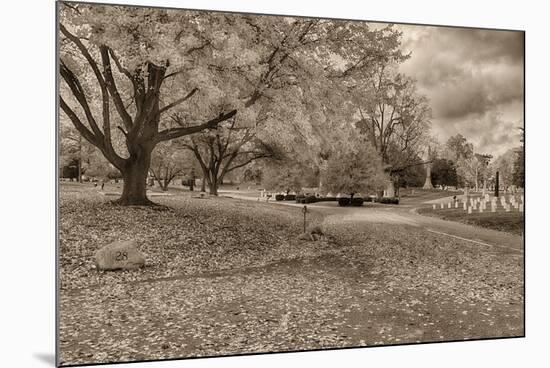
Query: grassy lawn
pixel 417 196
pixel 226 276
pixel 511 222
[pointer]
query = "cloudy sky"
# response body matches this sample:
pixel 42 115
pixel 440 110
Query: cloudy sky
pixel 474 81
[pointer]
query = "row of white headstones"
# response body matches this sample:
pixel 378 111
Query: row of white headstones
pixel 486 203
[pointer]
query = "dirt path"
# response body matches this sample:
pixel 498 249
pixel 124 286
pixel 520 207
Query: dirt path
pixel 407 215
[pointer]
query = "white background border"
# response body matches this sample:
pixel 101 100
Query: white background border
pixel 27 207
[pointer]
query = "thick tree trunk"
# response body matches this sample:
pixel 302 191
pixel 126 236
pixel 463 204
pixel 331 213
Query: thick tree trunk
pixel 80 170
pixel 213 186
pixel 213 181
pixel 203 184
pixel 134 192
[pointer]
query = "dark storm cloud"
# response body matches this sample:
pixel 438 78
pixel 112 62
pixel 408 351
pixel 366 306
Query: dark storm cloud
pixel 473 79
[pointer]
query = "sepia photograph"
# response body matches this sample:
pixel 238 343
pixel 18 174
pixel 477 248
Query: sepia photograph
pixel 239 183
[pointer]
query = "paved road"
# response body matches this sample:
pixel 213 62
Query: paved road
pixel 406 215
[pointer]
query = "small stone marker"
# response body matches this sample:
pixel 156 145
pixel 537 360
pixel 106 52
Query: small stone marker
pixel 456 204
pixel 469 210
pixel 449 205
pixel 442 205
pixel 465 206
pixel 434 206
pixel 119 255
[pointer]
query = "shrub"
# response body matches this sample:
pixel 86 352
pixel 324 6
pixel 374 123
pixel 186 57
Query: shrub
pixel 290 197
pixel 384 200
pixel 279 197
pixel 327 199
pixel 310 199
pixel 357 201
pixel 300 198
pixel 344 201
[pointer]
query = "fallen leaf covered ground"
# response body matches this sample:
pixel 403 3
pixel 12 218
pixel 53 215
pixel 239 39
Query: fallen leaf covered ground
pixel 229 277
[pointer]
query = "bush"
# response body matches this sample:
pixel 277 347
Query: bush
pixel 290 197
pixel 300 198
pixel 357 201
pixel 279 197
pixel 384 200
pixel 327 199
pixel 344 201
pixel 310 199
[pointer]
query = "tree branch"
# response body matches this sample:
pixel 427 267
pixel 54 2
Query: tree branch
pixel 179 101
pixel 173 133
pixel 78 92
pixel 113 91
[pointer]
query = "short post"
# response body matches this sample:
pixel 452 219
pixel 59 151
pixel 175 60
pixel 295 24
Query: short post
pixel 304 210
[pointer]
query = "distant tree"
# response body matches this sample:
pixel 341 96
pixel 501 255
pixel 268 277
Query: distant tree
pixel 355 169
pixel 74 151
pixel 70 170
pixel 283 176
pixel 100 168
pixel 474 169
pixel 228 148
pixel 444 172
pixel 252 174
pixel 505 165
pixel 168 162
pixel 395 118
pixel 519 164
pixel 458 147
pixel 412 176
